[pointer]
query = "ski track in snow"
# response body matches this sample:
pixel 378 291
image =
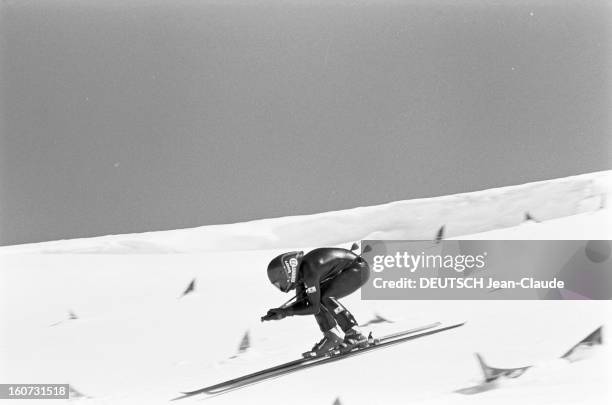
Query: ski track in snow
pixel 137 339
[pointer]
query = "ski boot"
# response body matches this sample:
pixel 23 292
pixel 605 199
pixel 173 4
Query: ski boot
pixel 353 339
pixel 331 340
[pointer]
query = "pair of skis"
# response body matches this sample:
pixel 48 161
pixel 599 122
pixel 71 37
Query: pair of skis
pixel 304 363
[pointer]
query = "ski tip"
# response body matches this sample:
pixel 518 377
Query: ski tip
pixel 179 397
pixel 187 394
pixel 451 324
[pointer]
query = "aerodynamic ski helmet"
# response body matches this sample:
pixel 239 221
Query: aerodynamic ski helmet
pixel 283 269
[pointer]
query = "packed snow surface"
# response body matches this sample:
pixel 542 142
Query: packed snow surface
pixel 117 328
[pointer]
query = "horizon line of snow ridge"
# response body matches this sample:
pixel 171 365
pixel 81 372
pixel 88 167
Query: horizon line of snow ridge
pixel 461 214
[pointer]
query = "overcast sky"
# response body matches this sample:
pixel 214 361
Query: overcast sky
pixel 128 116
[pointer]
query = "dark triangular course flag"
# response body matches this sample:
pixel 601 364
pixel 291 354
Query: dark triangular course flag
pixel 440 234
pixel 492 373
pixel 354 247
pixel 528 217
pixel 366 249
pixel 190 288
pixel 245 343
pixel 337 401
pixel 594 338
pixel 71 317
pixel 73 393
pixel 377 319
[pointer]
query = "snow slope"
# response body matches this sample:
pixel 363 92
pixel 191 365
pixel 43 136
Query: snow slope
pixel 136 340
pixel 462 214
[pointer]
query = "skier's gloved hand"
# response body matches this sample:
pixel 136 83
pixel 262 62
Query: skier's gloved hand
pixel 275 314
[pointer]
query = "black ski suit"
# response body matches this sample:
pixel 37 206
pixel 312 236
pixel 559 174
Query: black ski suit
pixel 326 275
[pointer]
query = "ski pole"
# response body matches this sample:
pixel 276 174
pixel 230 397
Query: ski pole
pixel 294 298
pixel 287 303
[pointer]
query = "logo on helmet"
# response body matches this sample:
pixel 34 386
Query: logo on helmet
pixel 291 267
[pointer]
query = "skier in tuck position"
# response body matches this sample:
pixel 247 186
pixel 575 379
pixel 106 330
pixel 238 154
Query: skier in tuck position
pixel 320 279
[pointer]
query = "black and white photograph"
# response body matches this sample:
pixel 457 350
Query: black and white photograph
pixel 331 202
